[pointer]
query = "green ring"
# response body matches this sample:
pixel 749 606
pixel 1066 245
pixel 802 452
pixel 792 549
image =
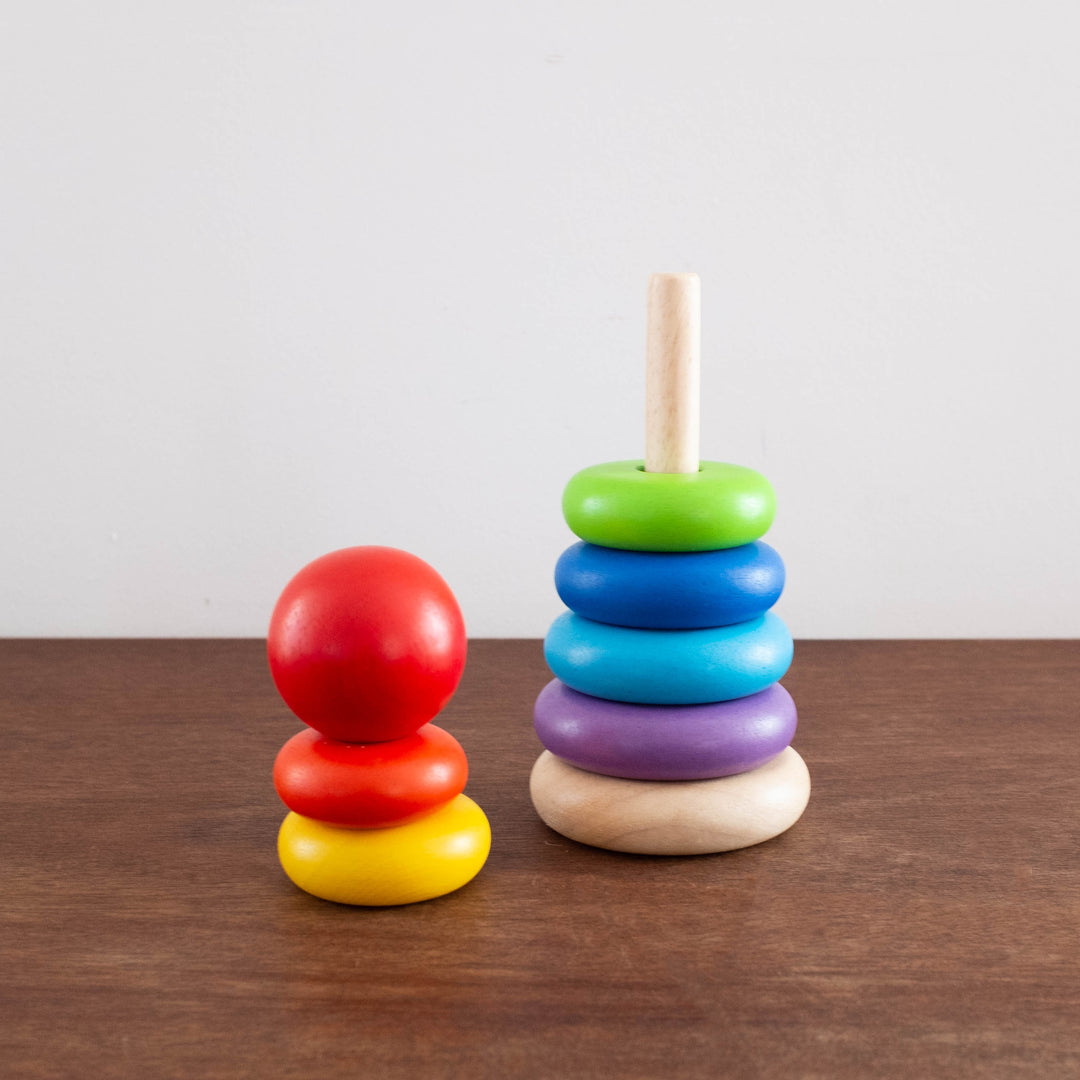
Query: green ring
pixel 619 505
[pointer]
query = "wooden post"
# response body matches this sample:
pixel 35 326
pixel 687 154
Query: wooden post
pixel 673 374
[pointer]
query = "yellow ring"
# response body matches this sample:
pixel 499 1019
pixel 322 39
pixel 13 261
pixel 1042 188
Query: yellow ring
pixel 400 864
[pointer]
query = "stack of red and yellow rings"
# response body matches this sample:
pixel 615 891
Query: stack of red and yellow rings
pixel 666 729
pixel 366 646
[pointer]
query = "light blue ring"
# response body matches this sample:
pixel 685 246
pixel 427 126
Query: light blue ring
pixel 668 667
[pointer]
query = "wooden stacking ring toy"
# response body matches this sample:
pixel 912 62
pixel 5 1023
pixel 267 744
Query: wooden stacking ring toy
pixel 620 505
pixel 402 864
pixel 668 667
pixel 663 742
pixel 692 817
pixel 366 644
pixel 666 731
pixel 669 590
pixel 370 785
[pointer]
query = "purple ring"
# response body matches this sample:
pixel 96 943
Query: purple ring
pixel 664 742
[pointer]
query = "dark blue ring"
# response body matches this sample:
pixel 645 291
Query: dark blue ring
pixel 654 590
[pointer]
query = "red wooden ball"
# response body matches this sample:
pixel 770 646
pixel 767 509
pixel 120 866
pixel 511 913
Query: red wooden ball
pixel 370 785
pixel 366 644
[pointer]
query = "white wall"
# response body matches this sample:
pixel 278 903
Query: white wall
pixel 282 277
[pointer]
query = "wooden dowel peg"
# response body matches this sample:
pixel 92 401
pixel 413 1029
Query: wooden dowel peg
pixel 673 374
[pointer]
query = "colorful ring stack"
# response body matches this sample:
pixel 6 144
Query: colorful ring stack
pixel 666 730
pixel 365 646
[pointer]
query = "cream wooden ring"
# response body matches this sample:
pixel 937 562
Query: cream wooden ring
pixel 680 817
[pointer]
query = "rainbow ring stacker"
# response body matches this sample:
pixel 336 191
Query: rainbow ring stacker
pixel 668 667
pixel 666 730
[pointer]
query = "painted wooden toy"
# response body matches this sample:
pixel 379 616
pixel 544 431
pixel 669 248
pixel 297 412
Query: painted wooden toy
pixel 669 590
pixel 366 645
pixel 666 731
pixel 668 667
pixel 369 785
pixel 402 864
pixel 661 742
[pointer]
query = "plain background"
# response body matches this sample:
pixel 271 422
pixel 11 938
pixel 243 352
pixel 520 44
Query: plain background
pixel 278 278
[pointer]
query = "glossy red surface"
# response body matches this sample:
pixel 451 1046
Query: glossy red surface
pixel 370 785
pixel 366 644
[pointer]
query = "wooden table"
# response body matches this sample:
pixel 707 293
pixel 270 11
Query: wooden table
pixel 923 920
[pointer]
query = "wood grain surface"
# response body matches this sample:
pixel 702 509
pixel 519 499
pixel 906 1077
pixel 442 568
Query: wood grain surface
pixel 673 373
pixel 922 920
